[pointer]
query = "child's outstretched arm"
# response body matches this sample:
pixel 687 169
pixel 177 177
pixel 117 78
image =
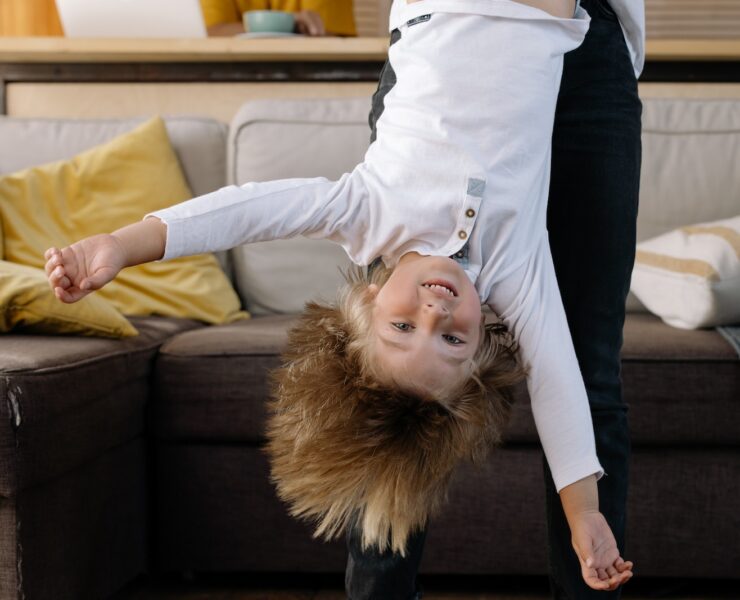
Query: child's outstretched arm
pixel 528 300
pixel 87 265
pixel 229 217
pixel 602 566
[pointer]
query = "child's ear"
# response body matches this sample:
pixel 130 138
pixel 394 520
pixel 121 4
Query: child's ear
pixel 373 290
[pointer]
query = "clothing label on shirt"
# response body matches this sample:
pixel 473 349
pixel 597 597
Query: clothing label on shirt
pixel 476 187
pixel 417 20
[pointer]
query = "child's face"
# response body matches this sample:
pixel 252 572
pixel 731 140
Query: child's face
pixel 426 323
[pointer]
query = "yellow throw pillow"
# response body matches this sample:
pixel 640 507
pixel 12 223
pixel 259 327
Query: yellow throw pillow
pixel 29 304
pixel 101 190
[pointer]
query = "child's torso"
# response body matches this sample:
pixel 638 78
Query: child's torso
pixel 472 111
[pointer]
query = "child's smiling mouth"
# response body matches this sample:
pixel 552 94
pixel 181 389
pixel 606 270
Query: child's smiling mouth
pixel 441 287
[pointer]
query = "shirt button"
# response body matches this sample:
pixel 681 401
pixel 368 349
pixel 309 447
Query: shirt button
pixel 462 235
pixel 470 213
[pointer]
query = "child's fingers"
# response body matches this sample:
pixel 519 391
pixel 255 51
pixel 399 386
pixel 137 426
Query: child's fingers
pixel 63 295
pixel 52 261
pixel 596 583
pixel 619 579
pixel 64 283
pixel 57 273
pixel 624 565
pixel 59 278
pixel 607 579
pixel 70 295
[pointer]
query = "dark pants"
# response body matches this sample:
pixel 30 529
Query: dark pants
pixel 591 220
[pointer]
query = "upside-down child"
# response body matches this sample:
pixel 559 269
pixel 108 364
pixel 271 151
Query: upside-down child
pixel 450 205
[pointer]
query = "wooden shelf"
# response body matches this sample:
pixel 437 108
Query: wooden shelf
pixel 62 50
pixel 693 50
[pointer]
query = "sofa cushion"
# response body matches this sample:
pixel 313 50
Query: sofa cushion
pixel 685 147
pixel 684 175
pixel 200 144
pixel 690 277
pixel 211 384
pixel 664 371
pixel 101 190
pixel 64 400
pixel 29 304
pixel 284 139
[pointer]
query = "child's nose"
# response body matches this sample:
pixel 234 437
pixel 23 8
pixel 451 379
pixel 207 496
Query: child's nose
pixel 437 310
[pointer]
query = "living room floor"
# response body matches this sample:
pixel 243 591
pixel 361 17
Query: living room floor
pixel 297 587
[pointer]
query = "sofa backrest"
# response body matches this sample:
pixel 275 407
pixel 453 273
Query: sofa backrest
pixel 691 154
pixel 689 175
pixel 200 144
pixel 284 139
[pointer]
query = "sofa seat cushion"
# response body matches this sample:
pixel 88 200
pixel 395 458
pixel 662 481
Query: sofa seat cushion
pixel 211 384
pixel 681 387
pixel 65 400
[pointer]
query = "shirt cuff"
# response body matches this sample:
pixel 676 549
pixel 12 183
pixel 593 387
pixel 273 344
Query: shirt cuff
pixel 576 472
pixel 174 242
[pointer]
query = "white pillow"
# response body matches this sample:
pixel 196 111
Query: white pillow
pixel 690 277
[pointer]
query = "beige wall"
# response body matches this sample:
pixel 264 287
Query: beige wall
pixel 221 100
pixel 109 100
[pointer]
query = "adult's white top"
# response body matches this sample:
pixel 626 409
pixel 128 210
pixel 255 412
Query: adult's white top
pixel 631 14
pixel 462 156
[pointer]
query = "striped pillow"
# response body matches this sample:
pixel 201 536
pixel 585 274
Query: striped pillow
pixel 690 277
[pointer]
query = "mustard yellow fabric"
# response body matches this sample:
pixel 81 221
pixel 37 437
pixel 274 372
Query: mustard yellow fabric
pixel 27 303
pixel 101 190
pixel 338 15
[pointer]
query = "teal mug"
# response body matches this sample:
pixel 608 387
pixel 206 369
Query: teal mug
pixel 268 21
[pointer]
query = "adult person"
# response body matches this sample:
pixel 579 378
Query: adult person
pixel 592 213
pixel 312 17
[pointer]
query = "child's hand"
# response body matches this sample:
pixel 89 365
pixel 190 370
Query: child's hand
pixel 601 565
pixel 83 267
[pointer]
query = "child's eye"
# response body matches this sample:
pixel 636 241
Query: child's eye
pixel 451 339
pixel 402 326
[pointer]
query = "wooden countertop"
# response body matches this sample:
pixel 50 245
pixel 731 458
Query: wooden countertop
pixel 62 50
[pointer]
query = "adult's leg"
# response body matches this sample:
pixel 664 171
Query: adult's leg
pixel 591 219
pixel 373 575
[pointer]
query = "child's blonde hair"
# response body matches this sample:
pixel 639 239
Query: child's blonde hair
pixel 345 445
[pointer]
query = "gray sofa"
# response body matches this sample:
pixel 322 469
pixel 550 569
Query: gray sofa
pixel 155 463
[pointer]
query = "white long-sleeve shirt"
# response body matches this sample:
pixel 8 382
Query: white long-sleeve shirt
pixel 462 156
pixel 631 15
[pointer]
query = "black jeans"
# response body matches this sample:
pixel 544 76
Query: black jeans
pixel 591 219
